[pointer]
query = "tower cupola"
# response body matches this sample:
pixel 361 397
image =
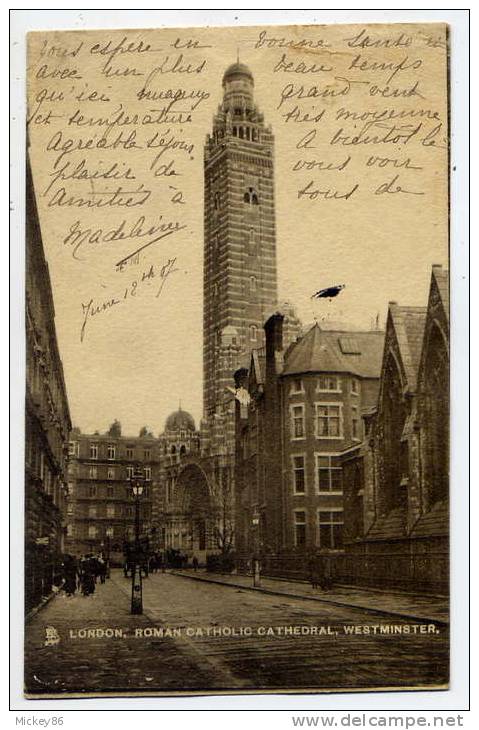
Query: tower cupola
pixel 238 86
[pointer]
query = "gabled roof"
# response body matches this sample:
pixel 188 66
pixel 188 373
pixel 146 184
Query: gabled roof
pixel 337 351
pixel 390 526
pixel 433 523
pixel 408 323
pixel 441 277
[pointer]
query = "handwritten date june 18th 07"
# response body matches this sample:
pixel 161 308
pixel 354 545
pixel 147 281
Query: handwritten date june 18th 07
pixel 94 308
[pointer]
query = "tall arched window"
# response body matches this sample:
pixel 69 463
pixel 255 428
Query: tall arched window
pixel 393 450
pixel 252 284
pixel 253 333
pixel 435 418
pixel 217 201
pixel 251 197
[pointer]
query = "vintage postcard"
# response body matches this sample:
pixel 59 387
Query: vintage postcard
pixel 237 343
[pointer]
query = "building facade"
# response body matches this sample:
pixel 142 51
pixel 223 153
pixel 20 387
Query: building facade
pixel 397 531
pixel 101 510
pixel 240 248
pixel 239 292
pixel 298 417
pixel 47 420
pixel 179 528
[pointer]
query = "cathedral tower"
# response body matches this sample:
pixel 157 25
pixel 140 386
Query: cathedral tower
pixel 240 237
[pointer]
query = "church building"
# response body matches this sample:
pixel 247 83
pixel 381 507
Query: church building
pixel 240 288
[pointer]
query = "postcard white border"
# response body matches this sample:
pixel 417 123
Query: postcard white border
pixel 456 698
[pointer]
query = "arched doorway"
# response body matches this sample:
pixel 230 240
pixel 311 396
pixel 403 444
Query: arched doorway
pixel 193 511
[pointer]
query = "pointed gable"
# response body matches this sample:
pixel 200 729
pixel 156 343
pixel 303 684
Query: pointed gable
pixel 404 336
pixel 439 290
pixel 437 316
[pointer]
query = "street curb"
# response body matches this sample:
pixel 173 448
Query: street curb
pixel 272 592
pixel 369 589
pixel 44 602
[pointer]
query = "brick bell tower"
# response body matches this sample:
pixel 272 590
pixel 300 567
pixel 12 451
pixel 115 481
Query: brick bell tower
pixel 240 288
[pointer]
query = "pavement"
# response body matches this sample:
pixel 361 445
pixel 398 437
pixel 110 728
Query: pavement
pixel 404 605
pixel 200 636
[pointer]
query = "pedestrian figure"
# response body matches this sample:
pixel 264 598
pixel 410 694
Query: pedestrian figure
pixel 102 570
pixel 314 566
pixel 87 576
pixel 70 574
pixel 326 573
pixel 195 563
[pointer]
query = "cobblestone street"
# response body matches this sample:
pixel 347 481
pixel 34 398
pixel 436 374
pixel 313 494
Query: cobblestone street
pixel 197 636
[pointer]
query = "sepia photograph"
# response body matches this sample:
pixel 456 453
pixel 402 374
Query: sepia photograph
pixel 237 360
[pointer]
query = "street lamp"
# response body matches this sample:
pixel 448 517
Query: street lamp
pixel 256 566
pixel 137 486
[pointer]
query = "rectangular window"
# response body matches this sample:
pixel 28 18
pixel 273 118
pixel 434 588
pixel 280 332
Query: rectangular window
pixel 73 448
pixel 92 472
pixel 110 491
pixel 129 453
pixel 147 473
pixel 70 530
pixel 354 386
pixel 92 531
pixel 129 472
pixel 111 451
pixel 147 454
pixel 92 491
pixel 70 508
pixel 355 424
pixel 329 383
pixel 109 532
pixel 93 451
pixel 299 480
pixel 110 511
pixel 329 474
pixel 111 473
pixel 297 422
pixel 70 488
pixel 300 528
pixel 92 511
pixel 329 420
pixel 330 529
pixel 297 386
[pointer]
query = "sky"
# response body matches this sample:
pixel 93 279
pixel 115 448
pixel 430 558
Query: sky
pixel 138 359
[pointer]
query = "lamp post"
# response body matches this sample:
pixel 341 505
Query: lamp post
pixel 256 565
pixel 107 556
pixel 136 482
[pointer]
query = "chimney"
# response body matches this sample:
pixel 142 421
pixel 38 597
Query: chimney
pixel 274 335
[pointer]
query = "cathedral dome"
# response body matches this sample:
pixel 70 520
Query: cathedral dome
pixel 180 421
pixel 237 69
